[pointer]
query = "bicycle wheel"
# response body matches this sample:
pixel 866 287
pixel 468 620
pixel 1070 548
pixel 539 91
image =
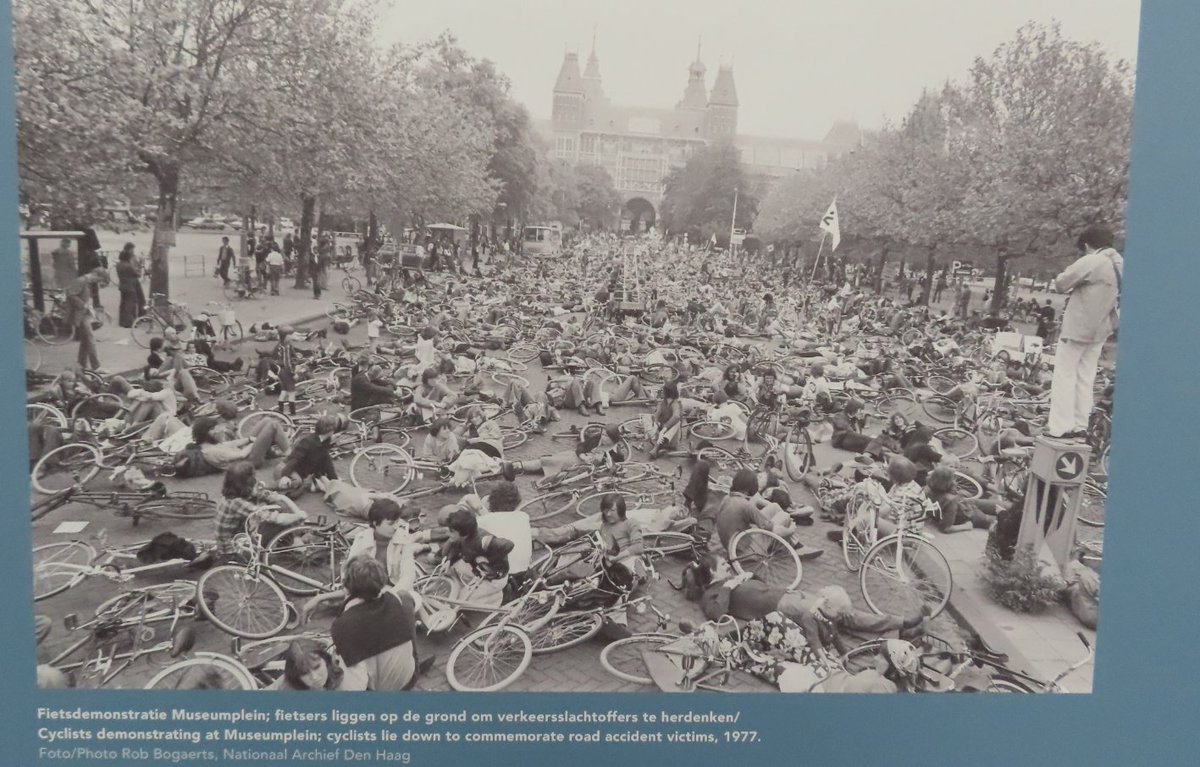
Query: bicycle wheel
pixel 433 586
pixel 549 505
pixel 940 384
pixel 143 329
pixel 720 458
pixel 858 533
pixel 905 576
pixel 208 381
pixel 489 659
pixel 1092 502
pixel 65 467
pixel 864 656
pixel 967 486
pixel 58 566
pixel 667 543
pixel 1003 683
pixel 250 423
pixel 712 431
pixel 523 352
pixel 625 659
pixel 148 599
pixel 505 378
pixel 383 467
pixel 940 408
pixel 659 374
pixel 513 438
pixel 772 559
pixel 589 505
pixel 242 603
pixel 229 334
pixel 38 414
pixel 957 442
pixel 211 670
pixel 900 402
pixel 54 329
pixel 351 285
pixel 176 508
pixel 314 552
pixel 797 452
pixel 564 631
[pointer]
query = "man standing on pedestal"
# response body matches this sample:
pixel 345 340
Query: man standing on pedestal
pixel 1093 285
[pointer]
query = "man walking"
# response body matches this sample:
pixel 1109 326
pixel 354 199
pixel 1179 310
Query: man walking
pixel 224 260
pixel 275 269
pixel 79 315
pixel 1093 285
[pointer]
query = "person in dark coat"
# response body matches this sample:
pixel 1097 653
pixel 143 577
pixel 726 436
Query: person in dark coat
pixel 129 284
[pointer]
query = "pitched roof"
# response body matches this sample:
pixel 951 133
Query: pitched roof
pixel 724 92
pixel 569 80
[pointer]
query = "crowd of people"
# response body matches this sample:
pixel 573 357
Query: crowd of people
pixel 726 338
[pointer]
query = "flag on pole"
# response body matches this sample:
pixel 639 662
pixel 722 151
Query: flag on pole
pixel 829 224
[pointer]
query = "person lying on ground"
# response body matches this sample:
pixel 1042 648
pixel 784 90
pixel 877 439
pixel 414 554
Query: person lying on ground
pixel 743 509
pixel 310 457
pixel 821 616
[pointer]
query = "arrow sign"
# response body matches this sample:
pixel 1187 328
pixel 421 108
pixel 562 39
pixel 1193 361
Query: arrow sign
pixel 1068 466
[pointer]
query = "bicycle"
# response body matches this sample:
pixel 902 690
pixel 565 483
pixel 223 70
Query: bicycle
pixel 119 634
pixel 703 659
pixel 247 600
pixel 901 573
pixel 243 289
pixel 163 314
pixel 230 331
pixel 60 566
pixel 152 503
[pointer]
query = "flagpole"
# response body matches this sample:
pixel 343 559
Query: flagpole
pixel 817 263
pixel 733 219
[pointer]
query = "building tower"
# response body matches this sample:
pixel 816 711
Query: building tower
pixel 723 106
pixel 593 92
pixel 695 96
pixel 568 95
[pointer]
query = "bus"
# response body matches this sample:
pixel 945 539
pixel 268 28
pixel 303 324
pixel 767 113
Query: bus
pixel 543 240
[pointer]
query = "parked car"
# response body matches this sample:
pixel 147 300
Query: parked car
pixel 205 222
pixel 284 224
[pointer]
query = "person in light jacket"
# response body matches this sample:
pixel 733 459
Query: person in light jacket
pixel 1093 285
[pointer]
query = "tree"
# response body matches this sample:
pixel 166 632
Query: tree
pixel 699 196
pixel 74 149
pixel 599 201
pixel 1043 126
pixel 475 84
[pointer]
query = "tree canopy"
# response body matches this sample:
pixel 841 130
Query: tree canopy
pixel 1015 160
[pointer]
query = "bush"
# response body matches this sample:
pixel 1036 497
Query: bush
pixel 1021 583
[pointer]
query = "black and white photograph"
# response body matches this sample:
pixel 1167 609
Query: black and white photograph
pixel 597 346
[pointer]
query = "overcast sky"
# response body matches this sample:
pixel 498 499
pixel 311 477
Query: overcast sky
pixel 799 64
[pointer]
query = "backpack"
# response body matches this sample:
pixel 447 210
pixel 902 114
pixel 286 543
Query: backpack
pixel 190 462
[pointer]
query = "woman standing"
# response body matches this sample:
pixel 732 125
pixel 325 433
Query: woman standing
pixel 130 285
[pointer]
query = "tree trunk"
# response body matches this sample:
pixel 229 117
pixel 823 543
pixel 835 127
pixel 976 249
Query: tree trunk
pixel 883 254
pixel 927 291
pixel 372 228
pixel 999 287
pixel 167 174
pixel 308 204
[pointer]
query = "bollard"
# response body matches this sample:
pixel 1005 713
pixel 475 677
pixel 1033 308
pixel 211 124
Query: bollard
pixel 1057 473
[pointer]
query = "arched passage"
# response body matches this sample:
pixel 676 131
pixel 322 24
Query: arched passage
pixel 637 215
